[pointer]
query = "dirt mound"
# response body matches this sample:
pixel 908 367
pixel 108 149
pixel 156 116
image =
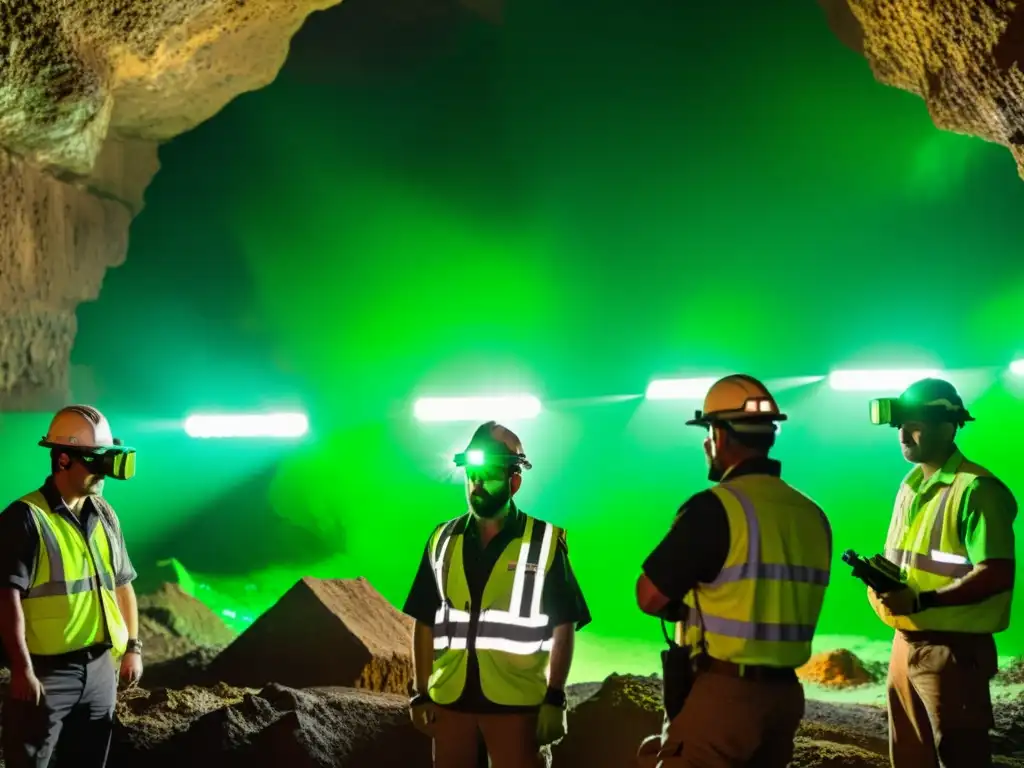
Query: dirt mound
pixel 607 724
pixel 1013 674
pixel 624 711
pixel 822 754
pixel 277 726
pixel 189 669
pixel 835 669
pixel 173 625
pixel 184 616
pixel 338 632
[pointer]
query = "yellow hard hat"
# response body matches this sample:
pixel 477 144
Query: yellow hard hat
pixel 81 427
pixel 741 401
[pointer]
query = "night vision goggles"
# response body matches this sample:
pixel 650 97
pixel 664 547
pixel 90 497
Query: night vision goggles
pixel 894 412
pixel 116 461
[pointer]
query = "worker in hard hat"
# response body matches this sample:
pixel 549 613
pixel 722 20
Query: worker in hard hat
pixel 951 533
pixel 496 605
pixel 68 615
pixel 743 573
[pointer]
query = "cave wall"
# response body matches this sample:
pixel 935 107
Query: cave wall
pixel 88 91
pixel 963 57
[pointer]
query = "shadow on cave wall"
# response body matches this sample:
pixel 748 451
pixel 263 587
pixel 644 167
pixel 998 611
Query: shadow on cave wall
pixel 237 532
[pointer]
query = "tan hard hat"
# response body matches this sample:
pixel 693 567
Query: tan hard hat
pixel 741 401
pixel 79 426
pixel 493 432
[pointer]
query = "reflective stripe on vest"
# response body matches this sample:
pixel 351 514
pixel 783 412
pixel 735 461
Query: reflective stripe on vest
pixel 58 585
pixel 763 606
pixel 926 541
pixel 754 568
pixel 937 562
pixel 70 603
pixel 521 630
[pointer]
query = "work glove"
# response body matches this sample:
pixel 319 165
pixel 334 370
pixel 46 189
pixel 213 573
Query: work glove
pixel 421 710
pixel 551 721
pixel 900 602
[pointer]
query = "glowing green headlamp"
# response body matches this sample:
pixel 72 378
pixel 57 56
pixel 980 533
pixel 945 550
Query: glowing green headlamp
pixel 480 458
pixel 477 457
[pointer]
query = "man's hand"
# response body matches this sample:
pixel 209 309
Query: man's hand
pixel 900 602
pixel 421 710
pixel 551 724
pixel 131 669
pixel 25 686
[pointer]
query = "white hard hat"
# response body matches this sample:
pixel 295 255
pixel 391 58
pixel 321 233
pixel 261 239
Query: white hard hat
pixel 499 442
pixel 79 426
pixel 741 401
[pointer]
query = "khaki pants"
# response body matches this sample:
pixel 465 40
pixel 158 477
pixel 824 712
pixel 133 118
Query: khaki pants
pixel 728 722
pixel 940 708
pixel 511 740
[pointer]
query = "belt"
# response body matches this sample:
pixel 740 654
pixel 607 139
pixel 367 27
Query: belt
pixel 750 671
pixel 80 656
pixel 940 637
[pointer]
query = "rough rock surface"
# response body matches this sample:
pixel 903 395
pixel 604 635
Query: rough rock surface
pixel 78 71
pixel 963 57
pixel 835 669
pixel 608 721
pixel 344 727
pixel 88 89
pixel 56 243
pixel 277 726
pixel 324 632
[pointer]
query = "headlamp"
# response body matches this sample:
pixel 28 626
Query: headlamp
pixel 476 457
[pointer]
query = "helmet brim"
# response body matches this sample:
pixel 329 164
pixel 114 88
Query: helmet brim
pixel 97 450
pixel 735 417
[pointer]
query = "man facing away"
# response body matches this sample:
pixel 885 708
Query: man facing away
pixel 746 564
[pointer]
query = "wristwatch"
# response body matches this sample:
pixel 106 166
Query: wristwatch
pixel 555 698
pixel 134 646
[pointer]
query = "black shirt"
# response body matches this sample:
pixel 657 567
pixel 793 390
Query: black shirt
pixel 695 548
pixel 19 539
pixel 561 599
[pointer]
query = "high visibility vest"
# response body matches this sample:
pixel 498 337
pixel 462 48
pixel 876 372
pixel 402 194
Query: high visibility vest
pixel 763 607
pixel 70 604
pixel 924 540
pixel 508 631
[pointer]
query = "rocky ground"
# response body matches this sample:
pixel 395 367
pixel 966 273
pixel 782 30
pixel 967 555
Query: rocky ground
pixel 186 712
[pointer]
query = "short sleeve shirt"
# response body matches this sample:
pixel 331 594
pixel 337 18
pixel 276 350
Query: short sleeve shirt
pixel 561 599
pixel 19 539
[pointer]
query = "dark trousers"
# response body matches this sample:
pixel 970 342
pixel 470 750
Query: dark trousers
pixel 75 716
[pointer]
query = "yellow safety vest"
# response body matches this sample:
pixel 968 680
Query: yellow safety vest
pixel 70 604
pixel 924 539
pixel 508 631
pixel 763 607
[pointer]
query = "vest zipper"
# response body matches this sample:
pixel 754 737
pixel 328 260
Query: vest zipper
pixel 474 620
pixel 98 580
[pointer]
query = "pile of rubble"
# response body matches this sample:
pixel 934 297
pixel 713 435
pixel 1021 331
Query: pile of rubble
pixel 320 681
